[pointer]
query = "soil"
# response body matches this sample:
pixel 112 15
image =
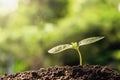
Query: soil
pixel 87 72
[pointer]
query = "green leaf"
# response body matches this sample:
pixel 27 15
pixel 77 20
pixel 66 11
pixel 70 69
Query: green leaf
pixel 89 40
pixel 59 48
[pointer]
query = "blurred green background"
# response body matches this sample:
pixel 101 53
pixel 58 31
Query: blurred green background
pixel 29 28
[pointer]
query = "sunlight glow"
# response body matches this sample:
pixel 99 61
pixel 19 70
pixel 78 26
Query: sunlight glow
pixel 8 6
pixel 119 7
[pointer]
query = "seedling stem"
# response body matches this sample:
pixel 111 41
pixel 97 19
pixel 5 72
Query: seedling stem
pixel 76 47
pixel 80 56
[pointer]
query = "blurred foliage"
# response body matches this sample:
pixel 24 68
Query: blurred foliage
pixel 38 25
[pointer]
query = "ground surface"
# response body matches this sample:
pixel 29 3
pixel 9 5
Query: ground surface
pixel 88 72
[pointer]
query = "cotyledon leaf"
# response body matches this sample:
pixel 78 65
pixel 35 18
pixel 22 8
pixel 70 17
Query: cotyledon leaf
pixel 89 40
pixel 59 48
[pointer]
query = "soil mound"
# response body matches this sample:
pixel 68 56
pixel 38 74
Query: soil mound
pixel 87 72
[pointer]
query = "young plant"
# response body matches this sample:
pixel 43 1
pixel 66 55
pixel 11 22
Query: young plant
pixel 74 45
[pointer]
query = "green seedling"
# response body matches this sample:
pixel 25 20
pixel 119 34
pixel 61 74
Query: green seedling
pixel 74 45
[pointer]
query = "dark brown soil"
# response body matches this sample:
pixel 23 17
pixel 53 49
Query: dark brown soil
pixel 88 72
